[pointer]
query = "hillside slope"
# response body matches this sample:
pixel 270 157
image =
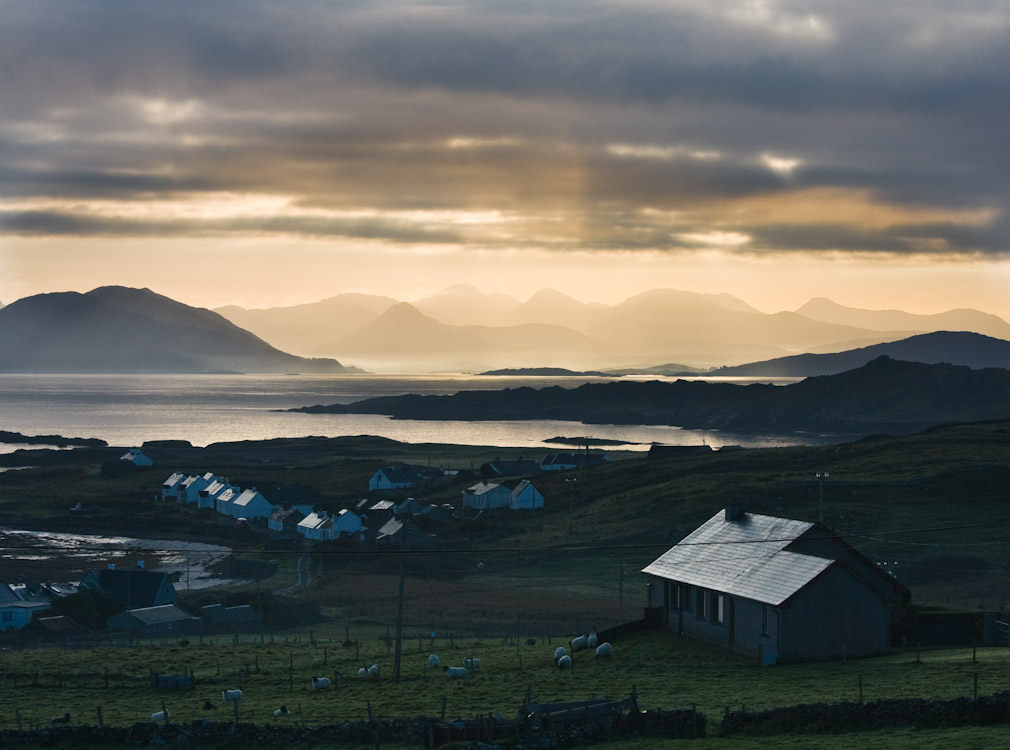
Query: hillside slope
pixel 119 329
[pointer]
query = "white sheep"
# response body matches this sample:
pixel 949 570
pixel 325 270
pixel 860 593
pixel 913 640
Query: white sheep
pixel 591 641
pixel 363 672
pixel 577 644
pixel 231 695
pixel 373 671
pixel 603 649
pixel 565 662
pixel 472 664
pixel 559 652
pixel 433 660
pixel 282 711
pixel 454 673
pixel 160 716
pixel 321 683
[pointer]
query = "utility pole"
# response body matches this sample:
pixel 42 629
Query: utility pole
pixel 821 476
pixel 620 593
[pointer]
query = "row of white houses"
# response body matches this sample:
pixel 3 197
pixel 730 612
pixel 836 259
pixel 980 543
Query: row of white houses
pixel 217 493
pixel 489 496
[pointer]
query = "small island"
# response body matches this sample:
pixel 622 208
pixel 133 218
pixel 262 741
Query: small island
pixel 546 372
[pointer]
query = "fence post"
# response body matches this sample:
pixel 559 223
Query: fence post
pixel 860 688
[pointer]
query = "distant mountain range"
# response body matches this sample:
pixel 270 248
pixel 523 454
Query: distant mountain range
pixel 464 329
pixel 884 395
pixel 953 347
pixel 119 329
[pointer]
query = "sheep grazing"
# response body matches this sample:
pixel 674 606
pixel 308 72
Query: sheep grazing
pixel 472 664
pixel 363 672
pixel 231 695
pixel 160 716
pixel 321 683
pixel 559 652
pixel 603 649
pixel 282 711
pixel 591 640
pixel 373 671
pixel 578 644
pixel 565 662
pixel 65 719
pixel 433 661
pixel 454 673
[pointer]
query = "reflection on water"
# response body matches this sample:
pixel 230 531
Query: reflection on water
pixel 49 556
pixel 127 410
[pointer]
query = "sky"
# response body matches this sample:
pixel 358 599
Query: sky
pixel 268 154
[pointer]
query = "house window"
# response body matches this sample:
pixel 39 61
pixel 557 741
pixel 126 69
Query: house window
pixel 687 598
pixel 700 610
pixel 720 609
pixel 764 619
pixel 676 594
pixel 7 617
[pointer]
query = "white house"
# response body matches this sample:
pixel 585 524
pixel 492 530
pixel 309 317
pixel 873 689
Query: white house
pixel 317 526
pixel 285 519
pixel 347 522
pixel 224 500
pixel 209 494
pixel 15 613
pixel 526 497
pixel 486 496
pixel 170 487
pixel 251 505
pixel 189 489
pixel 135 457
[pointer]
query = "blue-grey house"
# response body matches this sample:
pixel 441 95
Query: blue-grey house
pixel 776 589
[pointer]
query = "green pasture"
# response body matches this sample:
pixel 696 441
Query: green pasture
pixel 665 671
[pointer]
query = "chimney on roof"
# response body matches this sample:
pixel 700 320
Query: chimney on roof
pixel 733 510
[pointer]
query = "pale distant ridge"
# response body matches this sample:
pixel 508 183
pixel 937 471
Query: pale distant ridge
pixel 963 319
pixel 124 330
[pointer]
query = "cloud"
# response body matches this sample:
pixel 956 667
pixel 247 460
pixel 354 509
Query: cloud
pixel 816 125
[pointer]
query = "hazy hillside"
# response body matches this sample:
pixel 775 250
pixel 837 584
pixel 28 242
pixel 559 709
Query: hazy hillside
pixel 825 310
pixel 462 304
pixel 404 338
pixel 954 347
pixel 883 396
pixel 118 329
pixel 303 329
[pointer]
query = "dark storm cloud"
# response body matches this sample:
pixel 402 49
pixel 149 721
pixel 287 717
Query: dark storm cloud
pixel 583 113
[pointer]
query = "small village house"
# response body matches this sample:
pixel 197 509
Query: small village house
pixel 251 504
pixel 189 488
pixel 170 487
pixel 209 494
pixel 285 520
pixel 224 499
pixel 167 619
pixel 572 460
pixel 486 496
pixel 526 497
pixel 516 468
pixel 131 588
pixel 775 589
pixel 317 526
pixel 16 613
pixel 136 457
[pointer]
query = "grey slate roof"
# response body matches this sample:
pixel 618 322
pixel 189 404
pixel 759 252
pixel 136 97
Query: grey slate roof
pixel 745 557
pixel 162 614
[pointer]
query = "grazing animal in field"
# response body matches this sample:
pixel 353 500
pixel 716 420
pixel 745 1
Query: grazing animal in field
pixel 433 661
pixel 208 706
pixel 559 652
pixel 565 662
pixel 231 695
pixel 470 663
pixel 578 644
pixel 454 673
pixel 603 649
pixel 282 711
pixel 321 683
pixel 591 640
pixel 363 672
pixel 160 716
pixel 373 671
pixel 65 719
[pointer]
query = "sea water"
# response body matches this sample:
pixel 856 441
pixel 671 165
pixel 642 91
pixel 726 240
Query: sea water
pixel 127 410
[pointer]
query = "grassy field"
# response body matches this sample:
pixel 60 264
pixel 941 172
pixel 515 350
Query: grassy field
pixel 664 670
